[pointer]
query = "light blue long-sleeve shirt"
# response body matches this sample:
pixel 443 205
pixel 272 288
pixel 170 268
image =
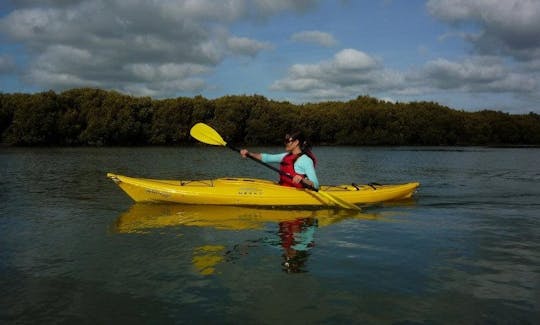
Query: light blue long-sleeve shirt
pixel 302 165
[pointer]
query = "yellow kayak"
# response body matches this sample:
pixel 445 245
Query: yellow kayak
pixel 254 192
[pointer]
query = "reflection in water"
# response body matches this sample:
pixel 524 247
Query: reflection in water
pixel 296 228
pixel 141 218
pixel 205 258
pixel 297 238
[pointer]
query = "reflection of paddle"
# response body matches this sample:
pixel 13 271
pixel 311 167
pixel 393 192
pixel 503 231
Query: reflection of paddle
pixel 208 135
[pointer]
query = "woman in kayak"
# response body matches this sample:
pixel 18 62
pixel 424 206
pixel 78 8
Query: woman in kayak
pixel 298 161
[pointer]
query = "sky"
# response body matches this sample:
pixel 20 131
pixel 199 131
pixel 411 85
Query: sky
pixel 466 54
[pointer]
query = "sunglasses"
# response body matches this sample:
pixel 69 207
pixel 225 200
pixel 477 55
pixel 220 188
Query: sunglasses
pixel 288 140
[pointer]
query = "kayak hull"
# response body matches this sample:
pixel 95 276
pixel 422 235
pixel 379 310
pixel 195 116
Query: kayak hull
pixel 253 192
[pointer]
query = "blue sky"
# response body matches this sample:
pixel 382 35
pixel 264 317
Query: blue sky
pixel 466 54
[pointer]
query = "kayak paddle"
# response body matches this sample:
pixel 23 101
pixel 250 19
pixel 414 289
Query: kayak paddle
pixel 206 134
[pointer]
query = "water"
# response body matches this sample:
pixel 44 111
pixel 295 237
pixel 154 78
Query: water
pixel 74 248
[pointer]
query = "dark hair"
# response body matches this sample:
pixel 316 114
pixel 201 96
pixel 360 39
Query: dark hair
pixel 305 145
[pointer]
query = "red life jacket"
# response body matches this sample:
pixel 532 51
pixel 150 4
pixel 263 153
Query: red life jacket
pixel 287 167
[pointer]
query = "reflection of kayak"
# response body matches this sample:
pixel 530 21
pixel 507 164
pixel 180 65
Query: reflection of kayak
pixel 249 191
pixel 144 217
pixel 141 217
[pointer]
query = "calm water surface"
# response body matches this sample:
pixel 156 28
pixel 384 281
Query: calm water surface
pixel 74 248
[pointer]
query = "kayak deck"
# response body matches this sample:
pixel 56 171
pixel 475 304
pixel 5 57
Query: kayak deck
pixel 254 192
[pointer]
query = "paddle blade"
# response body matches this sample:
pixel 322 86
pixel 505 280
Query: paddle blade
pixel 207 134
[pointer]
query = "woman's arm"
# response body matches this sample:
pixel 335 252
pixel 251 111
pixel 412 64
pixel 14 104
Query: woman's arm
pixel 245 153
pixel 304 165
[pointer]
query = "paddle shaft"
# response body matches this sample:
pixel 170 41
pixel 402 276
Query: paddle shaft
pixel 306 185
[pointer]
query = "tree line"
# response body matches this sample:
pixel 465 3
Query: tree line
pixel 94 117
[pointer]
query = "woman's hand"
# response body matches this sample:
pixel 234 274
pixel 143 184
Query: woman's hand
pixel 299 179
pixel 245 154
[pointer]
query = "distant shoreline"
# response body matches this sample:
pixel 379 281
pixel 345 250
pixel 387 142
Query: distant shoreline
pixel 95 118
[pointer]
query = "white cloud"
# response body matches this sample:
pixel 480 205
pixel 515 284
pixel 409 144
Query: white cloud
pixel 161 88
pixel 127 44
pixel 449 74
pixel 32 24
pixel 346 64
pixel 246 46
pixel 60 80
pixel 350 59
pixel 473 77
pixel 315 37
pixel 506 49
pixel 349 73
pixel 508 27
pixel 165 72
pixel 296 84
